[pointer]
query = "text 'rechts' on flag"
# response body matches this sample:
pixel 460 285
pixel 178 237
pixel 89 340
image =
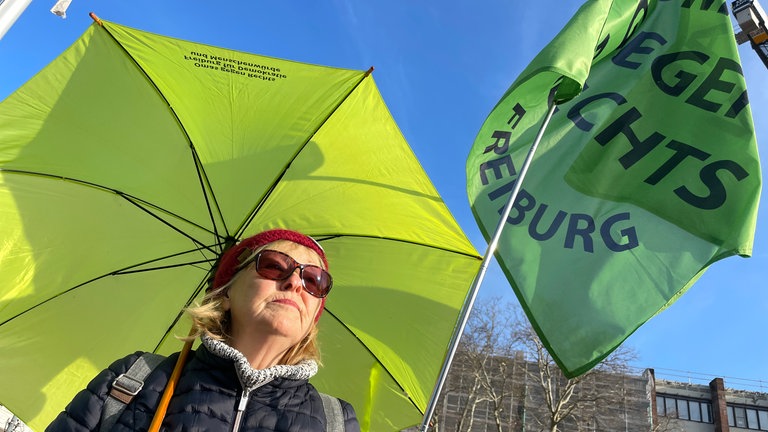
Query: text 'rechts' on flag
pixel 647 173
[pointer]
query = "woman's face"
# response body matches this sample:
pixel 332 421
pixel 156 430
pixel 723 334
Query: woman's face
pixel 260 306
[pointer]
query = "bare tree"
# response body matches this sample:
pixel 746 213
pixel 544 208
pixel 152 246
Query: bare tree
pixel 470 392
pixel 503 379
pixel 486 354
pixel 575 399
pixel 667 424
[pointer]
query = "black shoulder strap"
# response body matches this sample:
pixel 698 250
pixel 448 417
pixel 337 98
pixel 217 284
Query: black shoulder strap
pixel 334 418
pixel 125 387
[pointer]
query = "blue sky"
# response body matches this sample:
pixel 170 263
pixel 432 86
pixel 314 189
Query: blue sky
pixel 441 67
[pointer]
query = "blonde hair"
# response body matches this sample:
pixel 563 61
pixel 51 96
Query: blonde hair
pixel 210 319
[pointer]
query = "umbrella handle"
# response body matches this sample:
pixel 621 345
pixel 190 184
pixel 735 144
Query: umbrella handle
pixel 157 420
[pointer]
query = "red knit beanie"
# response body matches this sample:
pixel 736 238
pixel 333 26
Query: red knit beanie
pixel 233 256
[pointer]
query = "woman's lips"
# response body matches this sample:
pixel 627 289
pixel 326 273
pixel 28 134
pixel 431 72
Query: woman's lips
pixel 287 302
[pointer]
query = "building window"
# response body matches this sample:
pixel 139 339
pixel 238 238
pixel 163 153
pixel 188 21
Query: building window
pixel 696 414
pixel 455 402
pixel 660 409
pixel 670 405
pixel 683 408
pixel 747 417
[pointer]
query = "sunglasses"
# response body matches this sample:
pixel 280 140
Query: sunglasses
pixel 274 265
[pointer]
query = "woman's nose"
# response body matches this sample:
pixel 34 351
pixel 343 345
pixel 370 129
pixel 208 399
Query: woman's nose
pixel 293 282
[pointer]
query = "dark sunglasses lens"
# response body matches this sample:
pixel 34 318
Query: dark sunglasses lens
pixel 275 266
pixel 317 281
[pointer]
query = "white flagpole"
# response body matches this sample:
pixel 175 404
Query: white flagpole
pixel 472 294
pixel 10 10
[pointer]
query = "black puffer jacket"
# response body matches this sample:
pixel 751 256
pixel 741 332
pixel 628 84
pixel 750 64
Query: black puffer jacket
pixel 206 399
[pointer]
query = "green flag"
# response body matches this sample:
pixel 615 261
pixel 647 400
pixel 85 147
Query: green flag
pixel 647 173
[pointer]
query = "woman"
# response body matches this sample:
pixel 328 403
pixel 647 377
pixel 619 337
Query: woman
pixel 257 325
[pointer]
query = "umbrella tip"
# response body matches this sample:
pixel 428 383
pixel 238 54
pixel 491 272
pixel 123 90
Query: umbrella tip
pixel 369 71
pixel 95 18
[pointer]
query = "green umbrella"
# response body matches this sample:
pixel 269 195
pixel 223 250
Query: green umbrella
pixel 133 159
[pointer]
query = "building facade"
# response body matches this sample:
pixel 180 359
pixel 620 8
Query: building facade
pixel 507 394
pixel 708 408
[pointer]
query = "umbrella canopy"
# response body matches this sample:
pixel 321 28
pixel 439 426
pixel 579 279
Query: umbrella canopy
pixel 130 162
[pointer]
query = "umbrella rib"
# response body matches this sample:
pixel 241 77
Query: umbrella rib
pixel 325 237
pixel 205 184
pixel 125 270
pixel 328 311
pixel 247 221
pixel 165 267
pixel 136 201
